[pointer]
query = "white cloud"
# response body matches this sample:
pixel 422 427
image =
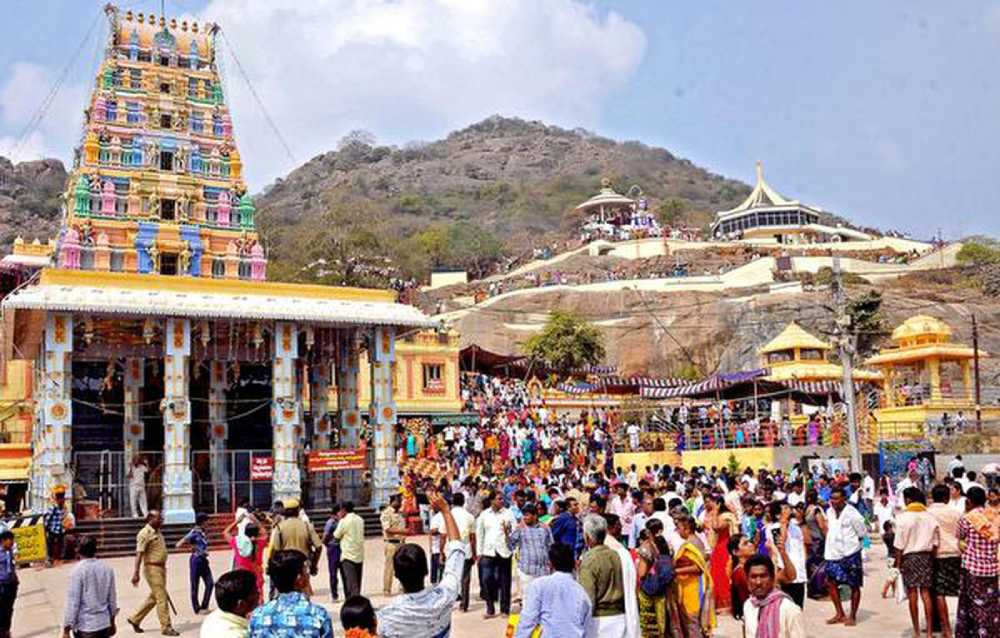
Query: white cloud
pixel 414 69
pixel 24 91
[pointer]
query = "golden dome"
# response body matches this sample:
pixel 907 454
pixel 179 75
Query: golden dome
pixel 794 336
pixel 922 326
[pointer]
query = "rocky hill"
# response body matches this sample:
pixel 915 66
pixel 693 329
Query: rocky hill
pixel 506 184
pixel 697 334
pixel 29 199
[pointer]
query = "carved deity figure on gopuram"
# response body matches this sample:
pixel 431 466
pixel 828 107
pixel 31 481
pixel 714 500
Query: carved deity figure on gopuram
pixel 158 172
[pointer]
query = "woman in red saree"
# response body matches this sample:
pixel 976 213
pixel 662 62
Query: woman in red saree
pixel 721 525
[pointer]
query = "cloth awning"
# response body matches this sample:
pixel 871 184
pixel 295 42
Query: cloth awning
pixel 198 298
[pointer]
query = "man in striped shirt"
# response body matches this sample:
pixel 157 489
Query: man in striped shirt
pixel 533 541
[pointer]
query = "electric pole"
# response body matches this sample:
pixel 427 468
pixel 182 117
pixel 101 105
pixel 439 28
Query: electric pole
pixel 846 346
pixel 975 372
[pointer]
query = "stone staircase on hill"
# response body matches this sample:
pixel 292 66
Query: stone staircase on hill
pixel 116 536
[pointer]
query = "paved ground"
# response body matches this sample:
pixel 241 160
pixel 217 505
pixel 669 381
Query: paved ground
pixel 40 605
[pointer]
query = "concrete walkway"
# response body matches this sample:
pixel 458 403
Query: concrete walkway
pixel 39 607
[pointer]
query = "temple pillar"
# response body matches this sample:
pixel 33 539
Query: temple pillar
pixel 889 386
pixel 178 494
pixel 218 428
pixel 348 418
pixel 319 389
pixel 934 369
pixel 967 381
pixel 285 413
pixel 133 380
pixel 52 465
pixel 385 475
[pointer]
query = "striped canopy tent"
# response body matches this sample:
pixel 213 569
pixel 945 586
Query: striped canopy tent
pixel 745 385
pixel 579 387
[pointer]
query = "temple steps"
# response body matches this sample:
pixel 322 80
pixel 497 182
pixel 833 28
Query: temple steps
pixel 116 536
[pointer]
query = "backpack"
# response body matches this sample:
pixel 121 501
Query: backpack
pixel 658 578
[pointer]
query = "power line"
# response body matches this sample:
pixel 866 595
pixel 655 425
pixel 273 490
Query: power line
pixel 39 115
pixel 260 103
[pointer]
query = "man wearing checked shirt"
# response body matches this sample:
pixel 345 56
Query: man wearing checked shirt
pixel 424 612
pixel 533 541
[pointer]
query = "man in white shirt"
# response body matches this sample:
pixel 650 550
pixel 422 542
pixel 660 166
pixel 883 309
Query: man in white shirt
pixel 969 481
pixel 633 431
pixel 845 529
pixel 466 523
pixel 237 596
pixel 795 496
pixel 494 554
pixel 868 490
pixel 795 549
pixel 956 464
pixel 883 511
pixel 787 623
pixel 910 480
pixel 137 487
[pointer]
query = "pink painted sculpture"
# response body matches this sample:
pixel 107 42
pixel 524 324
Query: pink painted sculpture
pixel 258 264
pixel 69 252
pixel 108 198
pixel 224 209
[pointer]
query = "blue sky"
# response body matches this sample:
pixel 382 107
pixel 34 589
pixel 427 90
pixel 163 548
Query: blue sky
pixel 885 112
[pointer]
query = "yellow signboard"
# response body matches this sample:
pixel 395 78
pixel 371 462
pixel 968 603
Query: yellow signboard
pixel 30 542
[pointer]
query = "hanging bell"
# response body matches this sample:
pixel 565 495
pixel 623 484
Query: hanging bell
pixel 148 330
pixel 88 329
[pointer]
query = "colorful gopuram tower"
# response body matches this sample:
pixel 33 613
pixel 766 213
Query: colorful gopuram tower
pixel 157 182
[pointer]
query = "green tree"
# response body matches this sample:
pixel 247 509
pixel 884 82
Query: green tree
pixel 672 211
pixel 567 342
pixel 867 321
pixel 974 253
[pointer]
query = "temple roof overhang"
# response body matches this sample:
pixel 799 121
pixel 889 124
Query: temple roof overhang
pixel 607 197
pixel 913 354
pixel 129 294
pixel 816 371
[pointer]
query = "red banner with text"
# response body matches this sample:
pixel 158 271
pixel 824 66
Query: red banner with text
pixel 262 468
pixel 335 460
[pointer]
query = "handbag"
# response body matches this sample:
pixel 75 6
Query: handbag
pixel 658 578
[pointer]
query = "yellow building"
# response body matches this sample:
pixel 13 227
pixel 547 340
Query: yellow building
pixel 926 375
pixel 796 355
pixel 425 376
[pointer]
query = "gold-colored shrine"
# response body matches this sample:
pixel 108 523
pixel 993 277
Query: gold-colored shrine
pixel 926 374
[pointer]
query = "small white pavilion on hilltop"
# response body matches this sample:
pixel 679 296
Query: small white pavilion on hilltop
pixel 767 215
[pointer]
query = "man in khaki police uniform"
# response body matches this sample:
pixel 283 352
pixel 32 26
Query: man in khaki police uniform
pixel 151 555
pixel 393 533
pixel 294 533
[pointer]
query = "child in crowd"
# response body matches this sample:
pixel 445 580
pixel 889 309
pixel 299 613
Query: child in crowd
pixel 889 537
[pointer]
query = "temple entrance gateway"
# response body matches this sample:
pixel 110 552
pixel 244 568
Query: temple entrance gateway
pixel 158 333
pixel 217 405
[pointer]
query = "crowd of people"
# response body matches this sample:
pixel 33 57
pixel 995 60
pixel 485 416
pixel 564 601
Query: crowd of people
pixel 536 505
pixel 662 553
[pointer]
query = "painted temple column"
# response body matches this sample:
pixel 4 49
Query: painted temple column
pixel 967 380
pixel 218 427
pixel 178 493
pixel 319 389
pixel 285 413
pixel 385 474
pixel 53 466
pixel 134 379
pixel 348 417
pixel 934 368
